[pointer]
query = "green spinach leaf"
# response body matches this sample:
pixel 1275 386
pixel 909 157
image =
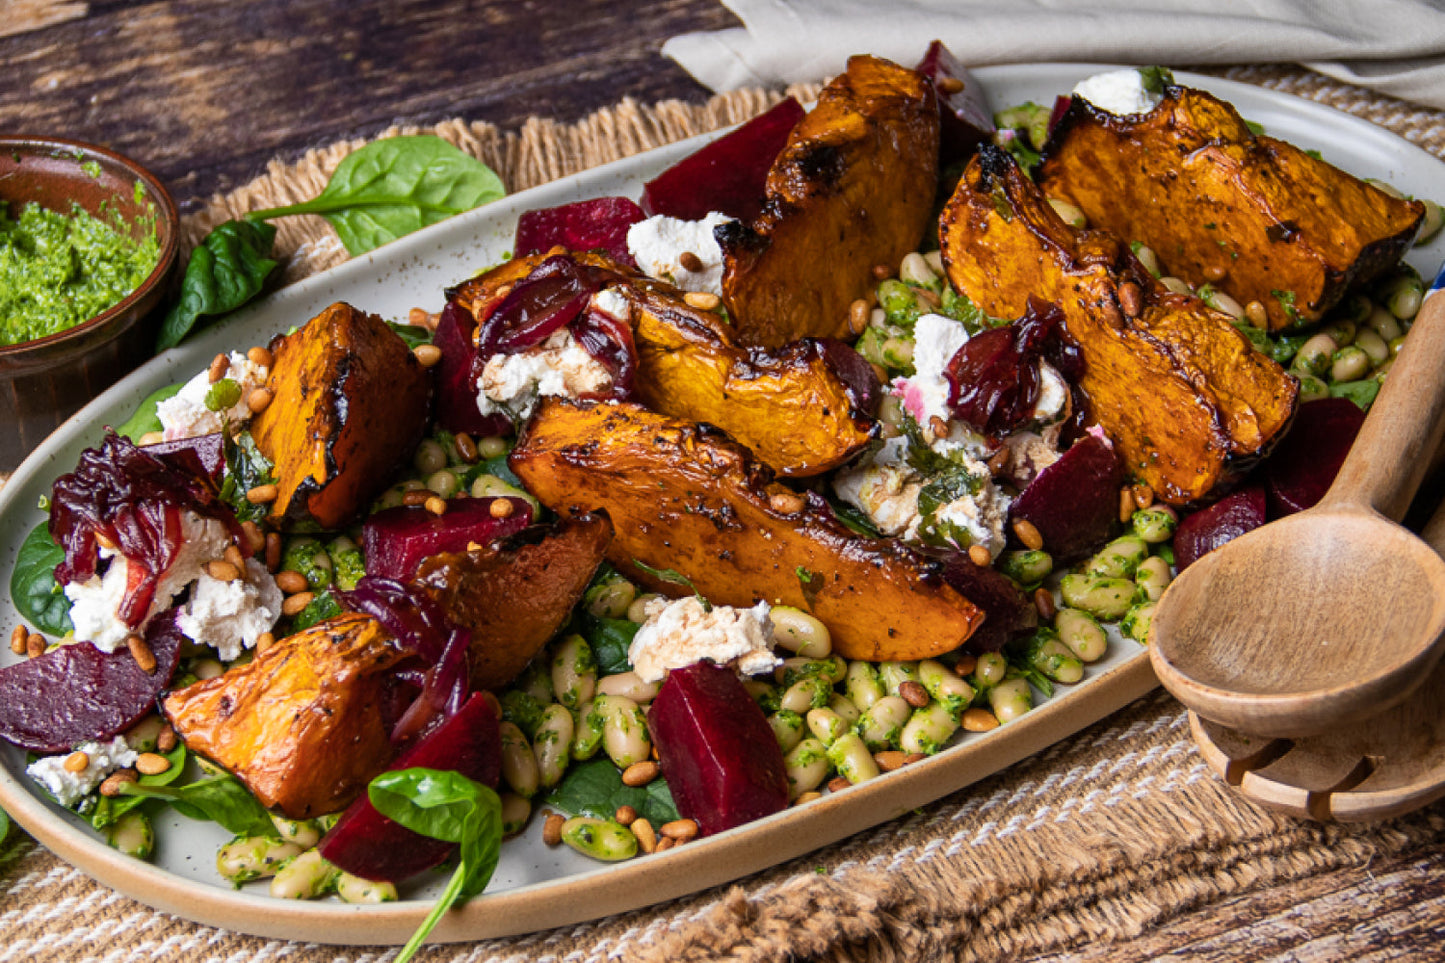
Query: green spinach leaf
pixel 220 799
pixel 225 271
pixel 394 186
pixel 111 808
pixel 145 419
pixel 37 596
pixel 1362 393
pixel 414 335
pixel 595 788
pixel 610 639
pixel 246 468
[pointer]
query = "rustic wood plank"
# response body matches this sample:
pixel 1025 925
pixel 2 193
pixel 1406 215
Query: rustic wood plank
pixel 22 16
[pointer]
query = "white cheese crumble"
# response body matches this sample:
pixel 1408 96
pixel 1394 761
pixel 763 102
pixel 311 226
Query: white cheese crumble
pixel 185 415
pixel 936 339
pixel 513 383
pixel 68 787
pixel 658 243
pixel 884 488
pixel 231 616
pixel 94 602
pixel 1118 92
pixel 679 632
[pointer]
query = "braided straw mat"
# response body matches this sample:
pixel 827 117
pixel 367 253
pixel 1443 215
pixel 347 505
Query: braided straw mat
pixel 1115 830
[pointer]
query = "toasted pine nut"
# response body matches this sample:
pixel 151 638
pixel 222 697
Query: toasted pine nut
pixel 786 502
pixel 640 774
pixel 166 739
pixel 255 538
pixel 232 554
pixel 1256 314
pixel 151 438
pixel 807 797
pixel 949 85
pixel 34 645
pixel 889 759
pixel 261 356
pixel 466 447
pixel 220 364
pixel 273 551
pixel 838 784
pixel 264 641
pixel 1126 504
pixel 112 783
pixel 150 764
pixel 938 426
pixel 913 757
pixel 625 815
pixel 501 508
pixel 1028 534
pixel 999 463
pixel 552 829
pixel 979 720
pixel 295 603
pixel 76 762
pixel 858 315
pixel 702 300
pixel 664 844
pixel 417 317
pixel 222 570
pixel 1215 272
pixel 1044 602
pixel 415 497
pixel 262 494
pixel 913 693
pixel 291 582
pixel 646 836
pixel 105 541
pixel 690 262
pixel 1143 496
pixel 1131 301
pixel 980 556
pixel 259 400
pixel 141 652
pixel 18 635
pixel 427 354
pixel 436 505
pixel 679 829
pixel 882 272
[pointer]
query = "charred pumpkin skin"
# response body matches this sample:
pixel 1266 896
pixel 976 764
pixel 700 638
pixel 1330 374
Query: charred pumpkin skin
pixel 683 497
pixel 1182 392
pixel 298 724
pixel 1216 201
pixel 480 294
pixel 514 597
pixel 853 188
pixel 349 404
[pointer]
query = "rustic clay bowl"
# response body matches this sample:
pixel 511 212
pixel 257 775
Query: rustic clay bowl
pixel 45 381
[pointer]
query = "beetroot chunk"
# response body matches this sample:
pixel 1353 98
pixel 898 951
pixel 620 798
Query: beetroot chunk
pixel 597 225
pixel 77 693
pixel 717 750
pixel 963 110
pixel 1222 522
pixel 456 384
pixel 397 539
pixel 202 455
pixel 1075 501
pixel 729 174
pixel 1306 461
pixel 367 844
pixel 1008 611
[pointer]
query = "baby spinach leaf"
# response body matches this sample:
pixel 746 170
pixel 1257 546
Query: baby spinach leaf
pixel 111 808
pixel 610 640
pixel 145 418
pixel 4 825
pixel 246 468
pixel 225 271
pixel 220 799
pixel 413 334
pixel 1361 393
pixel 394 186
pixel 595 788
pixel 37 596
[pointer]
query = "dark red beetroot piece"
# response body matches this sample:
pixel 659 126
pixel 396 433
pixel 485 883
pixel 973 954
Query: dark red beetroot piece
pixel 456 385
pixel 994 380
pixel 397 539
pixel 1074 503
pixel 1222 522
pixel 857 375
pixel 1305 462
pixel 718 752
pixel 78 693
pixel 1008 611
pixel 367 844
pixel 597 225
pixel 963 110
pixel 203 455
pixel 727 175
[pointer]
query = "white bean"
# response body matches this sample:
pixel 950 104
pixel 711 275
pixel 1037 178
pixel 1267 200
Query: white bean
pixel 862 684
pixel 574 672
pixel 894 674
pixel 1153 577
pixel 787 728
pixel 881 723
pixel 305 877
pixel 852 759
pixel 1084 636
pixel 624 730
pixel 630 685
pixel 519 764
pixel 301 832
pixel 355 889
pixel 251 857
pixel 809 692
pixel 827 725
pixel 944 685
pixel 132 835
pixel 806 766
pixel 552 744
pixel 1010 699
pixel 929 728
pixel 916 270
pixel 800 633
pixel 586 732
pixel 844 706
pixel 515 813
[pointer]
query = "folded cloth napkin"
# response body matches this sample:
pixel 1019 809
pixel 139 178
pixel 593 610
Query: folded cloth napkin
pixel 1391 46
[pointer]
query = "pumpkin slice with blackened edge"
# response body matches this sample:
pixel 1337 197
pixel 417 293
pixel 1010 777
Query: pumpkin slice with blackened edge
pixel 1261 219
pixel 684 497
pixel 1182 392
pixel 854 188
pixel 298 724
pixel 349 405
pixel 514 595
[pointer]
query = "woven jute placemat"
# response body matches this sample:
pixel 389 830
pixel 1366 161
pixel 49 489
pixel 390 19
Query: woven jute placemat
pixel 1117 829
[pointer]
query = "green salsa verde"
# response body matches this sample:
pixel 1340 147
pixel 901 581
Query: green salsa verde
pixel 57 270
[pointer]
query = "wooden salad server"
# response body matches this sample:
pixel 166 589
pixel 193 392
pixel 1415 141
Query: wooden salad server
pixel 1332 615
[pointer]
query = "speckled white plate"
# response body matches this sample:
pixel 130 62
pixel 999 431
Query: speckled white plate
pixel 536 887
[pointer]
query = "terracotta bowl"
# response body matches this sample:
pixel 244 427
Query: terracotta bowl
pixel 45 381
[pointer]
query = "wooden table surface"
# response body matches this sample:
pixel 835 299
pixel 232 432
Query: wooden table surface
pixel 204 92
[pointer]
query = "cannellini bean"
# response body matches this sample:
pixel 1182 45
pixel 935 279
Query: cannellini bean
pixel 586 732
pixel 852 759
pixel 354 889
pixel 800 633
pixel 945 686
pixel 833 668
pixel 1153 577
pixel 826 724
pixel 251 857
pixel 519 763
pixel 611 599
pixel 929 728
pixel 302 832
pixel 132 835
pixel 863 685
pixel 1084 636
pixel 844 706
pixel 629 684
pixel 806 766
pixel 989 670
pixel 894 674
pixel 574 672
pixel 515 813
pixel 1136 623
pixel 305 877
pixel 604 839
pixel 881 723
pixel 809 692
pixel 787 728
pixel 1119 558
pixel 1103 598
pixel 624 730
pixel 1010 699
pixel 552 744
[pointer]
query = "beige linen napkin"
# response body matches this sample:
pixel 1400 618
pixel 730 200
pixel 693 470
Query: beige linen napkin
pixel 1391 46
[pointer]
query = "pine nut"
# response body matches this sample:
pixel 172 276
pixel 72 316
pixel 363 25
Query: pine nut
pixel 76 762
pixel 882 272
pixel 1028 534
pixel 105 541
pixel 980 556
pixel 1126 504
pixel 264 641
pixel 1143 496
pixel 938 426
pixel 625 815
pixel 807 797
pixel 222 570
pixel 141 652
pixel 552 829
pixel 261 356
pixel 858 315
pixel 786 502
pixel 150 764
pixel 999 463
pixel 262 494
pixel 979 720
pixel 640 774
pixel 949 85
pixel 291 582
pixel 220 364
pixel 18 635
pixel 838 784
pixel 1130 299
pixel 34 645
pixel 664 844
pixel 417 317
pixel 207 669
pixel 255 538
pixel 436 505
pixel 646 836
pixel 680 829
pixel 889 759
pixel 913 693
pixel 295 603
pixel 416 497
pixel 965 665
pixel 1215 272
pixel 1044 603
pixel 702 300
pixel 690 261
pixel 273 551
pixel 112 783
pixel 259 400
pixel 427 354
pixel 1256 314
pixel 466 447
pixel 233 555
pixel 151 438
pixel 913 757
pixel 501 508
pixel 166 739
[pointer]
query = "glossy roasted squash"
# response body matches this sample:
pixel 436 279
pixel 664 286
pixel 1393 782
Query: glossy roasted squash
pixel 1182 392
pixel 853 188
pixel 349 404
pixel 515 595
pixel 685 498
pixel 298 724
pixel 1258 218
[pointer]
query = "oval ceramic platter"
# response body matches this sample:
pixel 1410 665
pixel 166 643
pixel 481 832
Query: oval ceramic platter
pixel 537 887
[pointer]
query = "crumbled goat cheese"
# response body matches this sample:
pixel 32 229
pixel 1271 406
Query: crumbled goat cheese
pixel 512 383
pixel 982 515
pixel 610 301
pixel 231 616
pixel 1118 92
pixel 680 632
pixel 185 415
pixel 936 339
pixel 94 602
pixel 658 243
pixel 884 488
pixel 68 787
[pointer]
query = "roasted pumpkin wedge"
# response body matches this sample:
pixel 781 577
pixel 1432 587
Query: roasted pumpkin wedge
pixel 349 405
pixel 1259 218
pixel 297 724
pixel 481 293
pixel 853 188
pixel 1179 389
pixel 513 596
pixel 682 496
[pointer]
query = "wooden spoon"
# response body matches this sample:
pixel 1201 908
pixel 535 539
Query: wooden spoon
pixel 1333 614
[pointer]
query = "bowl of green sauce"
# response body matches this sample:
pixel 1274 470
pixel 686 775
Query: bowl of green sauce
pixel 88 243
